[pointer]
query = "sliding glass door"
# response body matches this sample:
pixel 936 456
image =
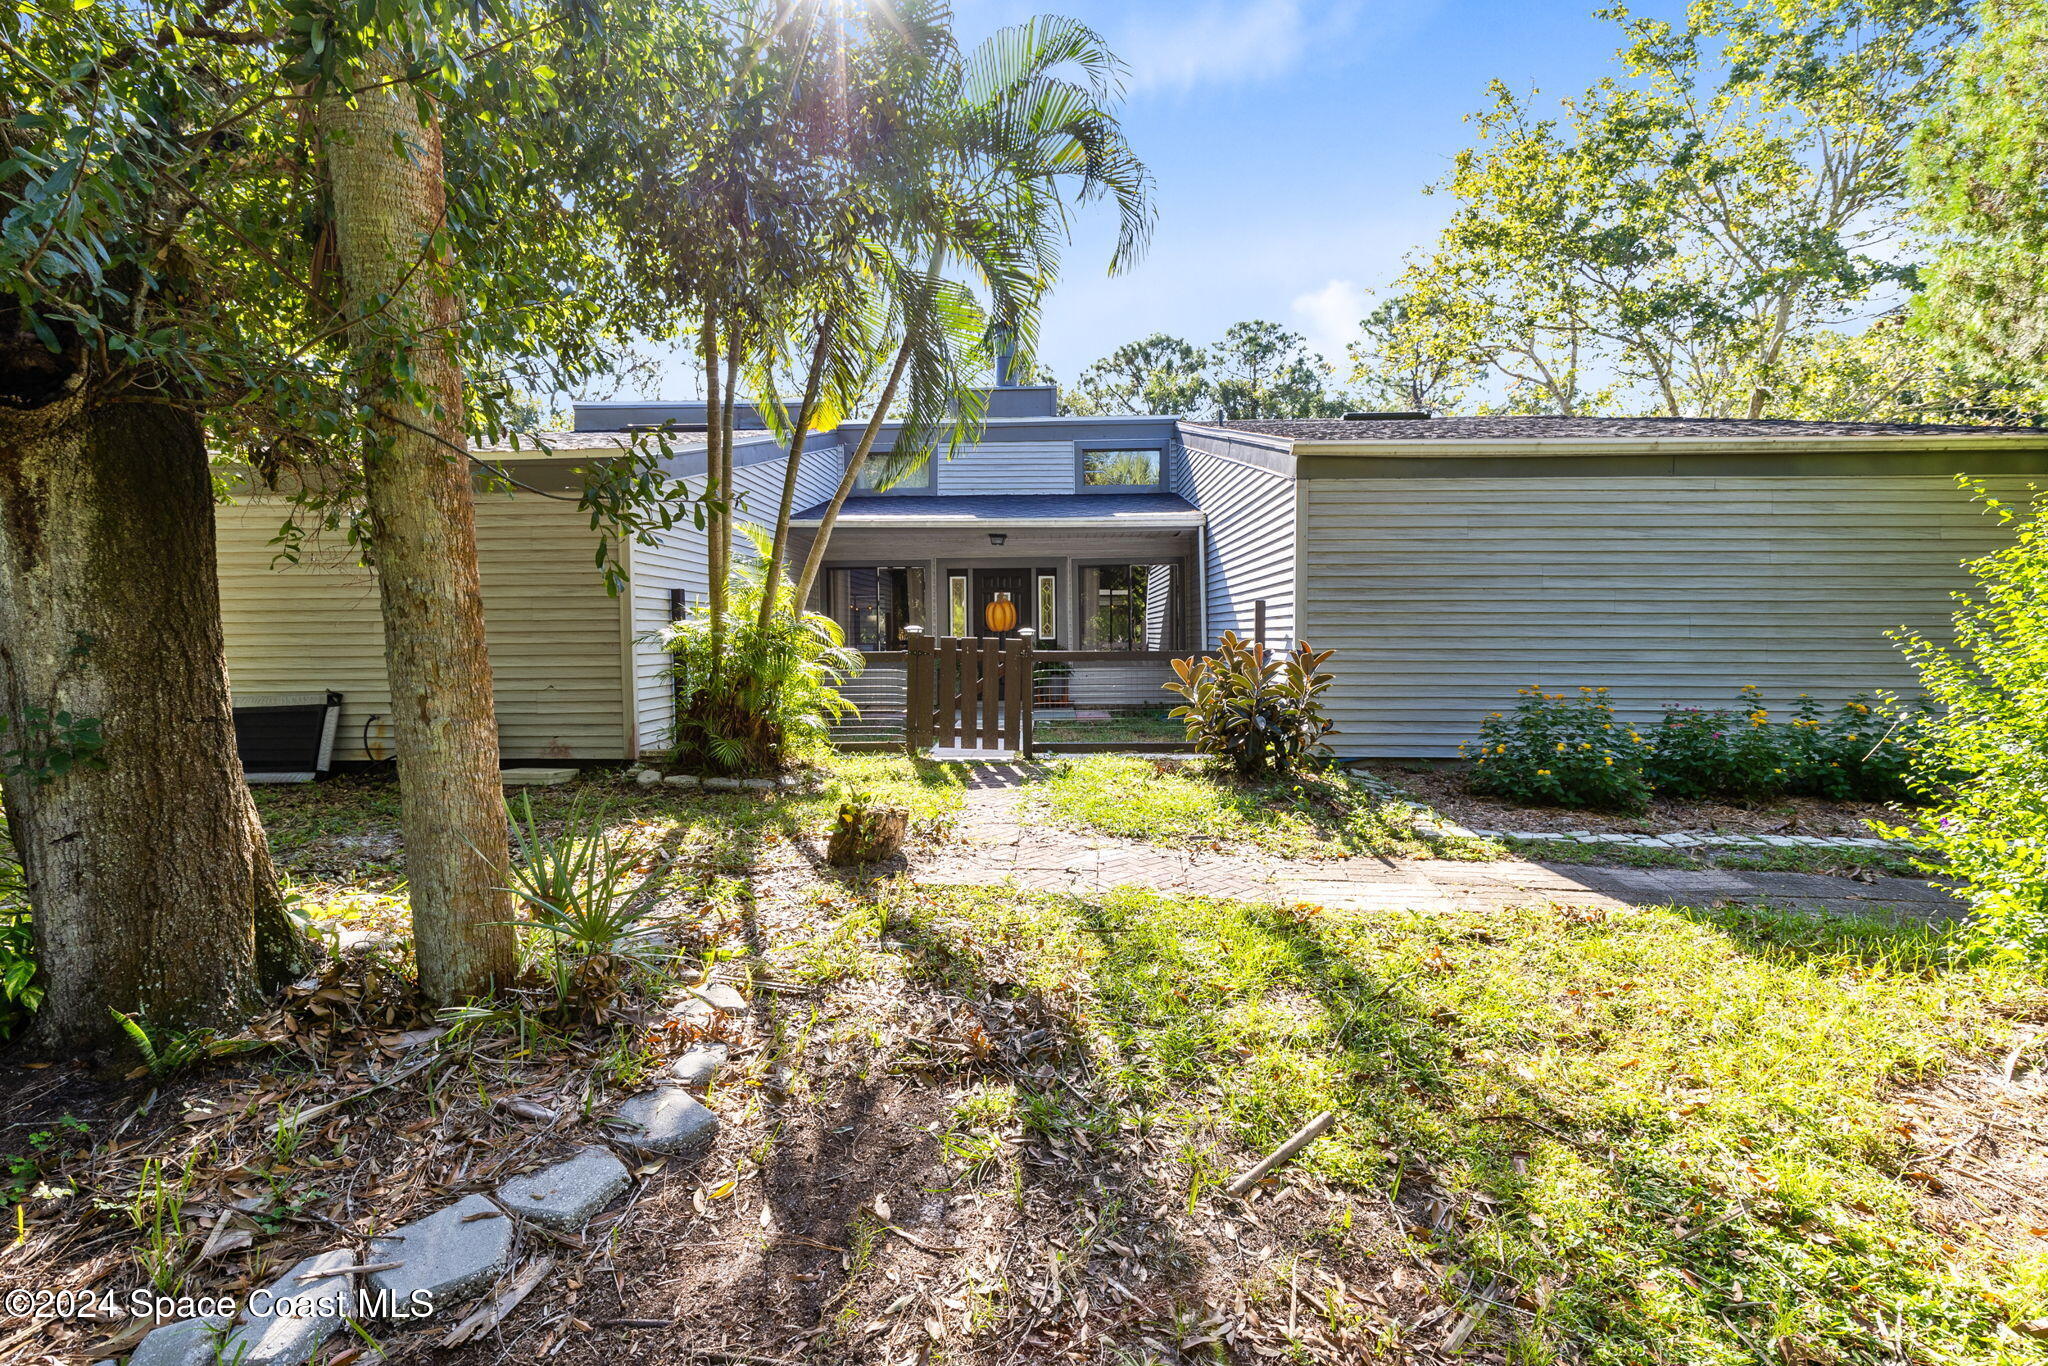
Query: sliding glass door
pixel 874 605
pixel 1130 607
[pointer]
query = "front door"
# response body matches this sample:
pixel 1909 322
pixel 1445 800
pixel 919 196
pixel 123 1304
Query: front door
pixel 1011 586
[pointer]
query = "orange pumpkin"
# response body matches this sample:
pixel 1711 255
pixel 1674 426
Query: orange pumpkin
pixel 1001 615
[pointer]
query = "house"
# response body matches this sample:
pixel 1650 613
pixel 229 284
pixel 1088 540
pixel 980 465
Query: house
pixel 1448 561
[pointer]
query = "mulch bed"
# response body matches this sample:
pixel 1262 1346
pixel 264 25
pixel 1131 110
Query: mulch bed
pixel 1444 789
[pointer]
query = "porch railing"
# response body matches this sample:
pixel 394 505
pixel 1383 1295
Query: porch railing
pixel 969 693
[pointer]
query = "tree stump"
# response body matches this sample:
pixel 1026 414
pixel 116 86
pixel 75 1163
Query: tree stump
pixel 866 834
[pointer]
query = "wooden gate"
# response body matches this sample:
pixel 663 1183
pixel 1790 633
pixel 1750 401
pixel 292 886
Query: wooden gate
pixel 968 693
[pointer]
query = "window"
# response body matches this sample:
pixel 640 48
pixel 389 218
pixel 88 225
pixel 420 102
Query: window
pixel 1048 614
pixel 872 606
pixel 881 475
pixel 1130 607
pixel 956 604
pixel 1119 469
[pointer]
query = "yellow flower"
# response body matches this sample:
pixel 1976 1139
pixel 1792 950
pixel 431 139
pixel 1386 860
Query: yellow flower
pixel 1610 761
pixel 1560 746
pixel 1543 773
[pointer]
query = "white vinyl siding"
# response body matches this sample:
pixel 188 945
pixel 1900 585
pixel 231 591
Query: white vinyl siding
pixel 1007 467
pixel 1250 542
pixel 554 633
pixel 679 562
pixel 1442 596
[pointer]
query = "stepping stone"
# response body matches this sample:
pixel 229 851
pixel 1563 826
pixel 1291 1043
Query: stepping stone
pixel 451 1253
pixel 567 1194
pixel 665 1120
pixel 302 1314
pixel 721 997
pixel 535 777
pixel 188 1342
pixel 683 780
pixel 698 1062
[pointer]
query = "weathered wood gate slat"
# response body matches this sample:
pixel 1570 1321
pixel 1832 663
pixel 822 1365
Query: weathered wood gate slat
pixel 969 693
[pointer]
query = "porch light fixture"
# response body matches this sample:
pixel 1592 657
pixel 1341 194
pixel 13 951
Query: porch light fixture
pixel 998 537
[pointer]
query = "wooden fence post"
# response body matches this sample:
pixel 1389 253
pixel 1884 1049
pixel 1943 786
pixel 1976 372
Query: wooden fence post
pixel 917 691
pixel 1023 686
pixel 1259 623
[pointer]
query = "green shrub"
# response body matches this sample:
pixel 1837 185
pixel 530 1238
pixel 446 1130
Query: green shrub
pixel 768 694
pixel 1262 715
pixel 1558 750
pixel 20 992
pixel 1735 755
pixel 1982 753
pixel 1863 752
pixel 591 904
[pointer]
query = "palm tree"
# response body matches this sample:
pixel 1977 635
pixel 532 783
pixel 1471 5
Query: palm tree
pixel 1010 136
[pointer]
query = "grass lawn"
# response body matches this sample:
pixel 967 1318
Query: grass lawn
pixel 1751 858
pixel 1641 1136
pixel 1320 815
pixel 983 1127
pixel 1117 730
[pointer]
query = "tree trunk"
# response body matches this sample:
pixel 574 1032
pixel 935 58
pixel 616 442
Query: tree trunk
pixel 389 199
pixel 147 874
pixel 715 494
pixel 779 547
pixel 814 560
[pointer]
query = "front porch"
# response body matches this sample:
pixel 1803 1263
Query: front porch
pixel 1109 588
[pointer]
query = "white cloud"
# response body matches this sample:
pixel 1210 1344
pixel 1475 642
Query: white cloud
pixel 1219 43
pixel 1329 316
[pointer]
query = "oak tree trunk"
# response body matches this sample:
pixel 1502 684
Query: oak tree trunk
pixel 385 169
pixel 148 877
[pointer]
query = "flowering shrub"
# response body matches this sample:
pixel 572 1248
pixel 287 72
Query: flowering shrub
pixel 1731 754
pixel 1558 750
pixel 1860 752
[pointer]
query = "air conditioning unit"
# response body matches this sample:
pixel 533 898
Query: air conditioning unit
pixel 286 737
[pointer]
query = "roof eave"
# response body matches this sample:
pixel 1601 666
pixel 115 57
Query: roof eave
pixel 1173 521
pixel 1497 447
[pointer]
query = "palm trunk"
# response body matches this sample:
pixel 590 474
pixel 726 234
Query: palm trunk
pixel 389 199
pixel 730 522
pixel 814 559
pixel 780 545
pixel 147 875
pixel 714 492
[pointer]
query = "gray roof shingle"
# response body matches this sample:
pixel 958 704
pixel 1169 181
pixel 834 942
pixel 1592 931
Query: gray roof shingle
pixel 542 443
pixel 1009 507
pixel 1513 429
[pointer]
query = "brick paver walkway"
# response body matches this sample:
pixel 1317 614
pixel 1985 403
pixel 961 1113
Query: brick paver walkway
pixel 999 843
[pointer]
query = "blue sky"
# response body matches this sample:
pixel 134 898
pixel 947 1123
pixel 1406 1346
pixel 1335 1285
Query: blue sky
pixel 1291 142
